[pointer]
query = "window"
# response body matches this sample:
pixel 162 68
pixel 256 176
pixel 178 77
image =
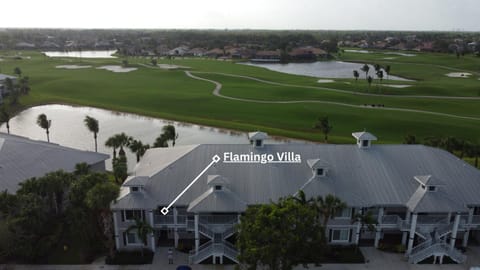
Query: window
pixel 345 213
pixel 423 186
pixel 321 172
pixel 258 143
pixel 218 187
pixel 131 239
pixel 365 143
pixel 133 214
pixel 432 188
pixel 134 189
pixel 340 235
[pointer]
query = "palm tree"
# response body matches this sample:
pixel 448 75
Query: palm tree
pixel 17 71
pixel 24 85
pixel 118 141
pixel 161 141
pixel 380 76
pixel 356 75
pixel 143 229
pixel 170 133
pixel 324 126
pixel 410 139
pixel 123 141
pixel 328 207
pixel 377 67
pixel 138 148
pixel 81 169
pixel 113 143
pixel 45 123
pixel 5 118
pixel 387 70
pixel 366 220
pixel 365 69
pixel 301 198
pixel 93 126
pixel 369 80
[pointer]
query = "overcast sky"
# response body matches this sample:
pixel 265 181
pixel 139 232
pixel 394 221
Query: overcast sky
pixel 245 14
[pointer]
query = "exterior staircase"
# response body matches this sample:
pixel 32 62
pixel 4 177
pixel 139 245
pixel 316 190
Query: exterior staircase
pixel 217 245
pixel 434 244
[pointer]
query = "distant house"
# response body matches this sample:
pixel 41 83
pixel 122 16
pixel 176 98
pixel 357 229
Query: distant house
pixel 215 53
pixel 198 52
pixel 25 46
pixel 22 158
pixel 307 53
pixel 49 45
pixel 179 51
pixel 266 57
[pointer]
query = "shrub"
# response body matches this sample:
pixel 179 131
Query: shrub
pixel 131 257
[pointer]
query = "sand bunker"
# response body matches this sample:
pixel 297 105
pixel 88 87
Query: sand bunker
pixel 170 67
pixel 358 51
pixel 397 85
pixel 389 58
pixel 458 74
pixel 117 69
pixel 325 81
pixel 72 67
pixel 401 54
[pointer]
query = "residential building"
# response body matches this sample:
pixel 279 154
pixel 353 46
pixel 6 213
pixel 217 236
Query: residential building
pixel 267 57
pixel 307 53
pixel 424 197
pixel 22 158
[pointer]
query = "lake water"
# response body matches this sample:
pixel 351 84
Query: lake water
pixel 69 130
pixel 324 69
pixel 82 54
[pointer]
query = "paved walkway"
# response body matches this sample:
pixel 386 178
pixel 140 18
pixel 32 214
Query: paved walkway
pixel 376 260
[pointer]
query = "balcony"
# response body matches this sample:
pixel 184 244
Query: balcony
pixel 168 221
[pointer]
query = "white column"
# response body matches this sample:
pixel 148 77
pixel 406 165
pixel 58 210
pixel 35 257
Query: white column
pixel 467 232
pixel 405 234
pixel 175 224
pixel 378 230
pixel 197 237
pixel 359 227
pixel 413 226
pixel 115 228
pixel 152 235
pixel 454 231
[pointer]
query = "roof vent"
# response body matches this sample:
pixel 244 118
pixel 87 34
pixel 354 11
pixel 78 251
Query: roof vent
pixel 428 182
pixel 319 167
pixel 257 138
pixel 217 182
pixel 364 139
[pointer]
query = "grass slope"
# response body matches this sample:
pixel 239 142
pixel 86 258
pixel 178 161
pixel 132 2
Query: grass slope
pixel 173 95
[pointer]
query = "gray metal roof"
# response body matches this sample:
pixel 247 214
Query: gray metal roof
pixel 22 158
pixel 383 175
pixel 217 201
pixel 4 76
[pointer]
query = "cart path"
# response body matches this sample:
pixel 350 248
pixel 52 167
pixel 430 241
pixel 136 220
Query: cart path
pixel 218 88
pixel 335 89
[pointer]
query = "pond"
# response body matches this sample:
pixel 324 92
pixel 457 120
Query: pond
pixel 82 54
pixel 69 130
pixel 324 69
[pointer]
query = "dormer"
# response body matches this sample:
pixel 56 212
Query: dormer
pixel 136 183
pixel 319 167
pixel 364 139
pixel 257 138
pixel 429 183
pixel 217 182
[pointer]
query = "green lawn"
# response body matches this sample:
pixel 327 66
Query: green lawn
pixel 173 95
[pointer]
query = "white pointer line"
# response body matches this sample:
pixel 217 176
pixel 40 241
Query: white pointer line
pixel 215 159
